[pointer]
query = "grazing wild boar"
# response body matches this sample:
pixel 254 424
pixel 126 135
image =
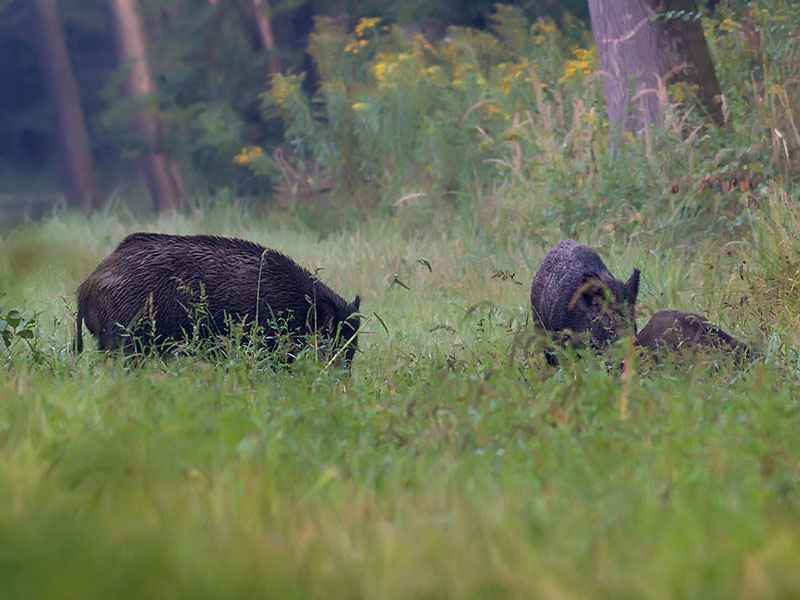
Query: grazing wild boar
pixel 154 289
pixel 673 331
pixel 573 290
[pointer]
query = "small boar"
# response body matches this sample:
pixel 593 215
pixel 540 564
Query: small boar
pixel 155 288
pixel 573 290
pixel 672 331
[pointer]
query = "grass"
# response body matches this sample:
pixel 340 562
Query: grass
pixel 452 463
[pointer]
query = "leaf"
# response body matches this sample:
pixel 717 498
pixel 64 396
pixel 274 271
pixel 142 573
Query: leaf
pixel 425 263
pixel 13 318
pixel 26 334
pixel 383 324
pixel 3 325
pixel 396 281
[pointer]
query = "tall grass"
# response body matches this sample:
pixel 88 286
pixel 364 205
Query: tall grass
pixel 453 462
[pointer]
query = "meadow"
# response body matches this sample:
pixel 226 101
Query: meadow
pixel 452 462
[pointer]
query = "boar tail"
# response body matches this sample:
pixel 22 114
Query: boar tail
pixel 78 346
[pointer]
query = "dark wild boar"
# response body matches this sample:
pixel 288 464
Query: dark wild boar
pixel 155 289
pixel 673 331
pixel 573 290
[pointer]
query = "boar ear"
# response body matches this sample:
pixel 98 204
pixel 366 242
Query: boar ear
pixel 632 287
pixel 355 304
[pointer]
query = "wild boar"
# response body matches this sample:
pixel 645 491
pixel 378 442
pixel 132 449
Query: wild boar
pixel 574 291
pixel 673 331
pixel 155 289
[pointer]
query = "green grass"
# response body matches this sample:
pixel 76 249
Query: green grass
pixel 452 463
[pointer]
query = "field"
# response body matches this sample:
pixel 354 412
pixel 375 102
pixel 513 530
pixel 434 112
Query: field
pixel 432 178
pixel 453 462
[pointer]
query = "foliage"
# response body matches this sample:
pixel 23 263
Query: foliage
pixel 15 327
pixel 390 110
pixel 506 116
pixel 209 69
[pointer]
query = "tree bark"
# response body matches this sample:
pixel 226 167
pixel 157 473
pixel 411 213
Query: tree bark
pixel 73 139
pixel 265 36
pixel 639 54
pixel 162 175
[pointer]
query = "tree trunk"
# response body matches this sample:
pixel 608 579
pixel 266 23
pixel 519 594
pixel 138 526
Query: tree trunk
pixel 264 25
pixel 638 55
pixel 162 176
pixel 73 139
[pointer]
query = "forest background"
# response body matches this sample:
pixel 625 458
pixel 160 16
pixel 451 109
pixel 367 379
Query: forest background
pixel 211 64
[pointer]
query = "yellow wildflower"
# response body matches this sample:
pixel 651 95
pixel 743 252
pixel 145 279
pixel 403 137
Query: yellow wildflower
pixel 680 91
pixel 281 90
pixel 384 67
pixel 729 24
pixel 491 109
pixel 366 23
pixel 542 32
pixel 546 27
pixel 248 155
pixel 580 65
pixel 507 83
pixel 358 106
pixel 450 52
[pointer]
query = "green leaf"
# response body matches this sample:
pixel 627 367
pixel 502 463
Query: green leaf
pixel 383 324
pixel 396 281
